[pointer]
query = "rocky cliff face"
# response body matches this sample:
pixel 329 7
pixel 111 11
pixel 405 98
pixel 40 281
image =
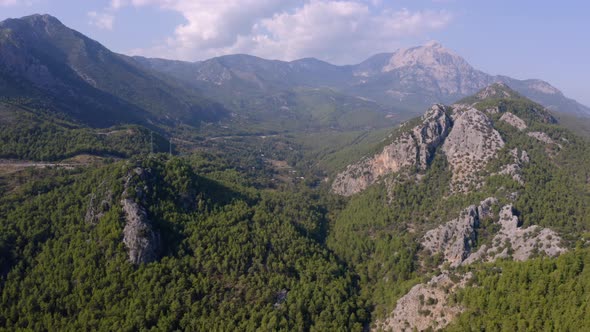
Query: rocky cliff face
pixel 514 121
pixel 514 169
pixel 426 305
pixel 455 239
pixel 513 241
pixel 141 240
pixel 471 144
pixel 466 136
pixel 413 150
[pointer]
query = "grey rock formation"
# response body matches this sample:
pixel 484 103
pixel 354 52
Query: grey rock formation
pixel 514 121
pixel 141 240
pixel 514 169
pixel 426 305
pixel 410 149
pixel 455 239
pixel 484 210
pixel 434 129
pixel 516 242
pixel 470 145
pixel 467 137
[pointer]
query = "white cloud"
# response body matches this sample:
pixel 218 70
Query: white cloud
pixel 334 30
pixel 101 20
pixel 9 2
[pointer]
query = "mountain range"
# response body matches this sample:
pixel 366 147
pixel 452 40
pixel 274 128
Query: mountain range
pixel 244 194
pixel 407 80
pixel 61 69
pixel 54 67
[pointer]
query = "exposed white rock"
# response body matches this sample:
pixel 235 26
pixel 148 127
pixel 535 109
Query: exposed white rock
pixel 100 203
pixel 470 145
pixel 496 90
pixel 516 242
pixel 493 110
pixel 514 121
pixel 139 237
pixel 426 306
pixel 515 169
pixel 484 210
pixel 455 239
pixel 411 149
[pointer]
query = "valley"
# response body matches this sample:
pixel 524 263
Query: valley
pixel 410 192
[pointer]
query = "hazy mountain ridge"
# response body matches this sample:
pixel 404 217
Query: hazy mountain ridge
pixel 408 79
pixel 79 76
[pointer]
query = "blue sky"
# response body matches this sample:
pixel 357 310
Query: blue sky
pixel 523 39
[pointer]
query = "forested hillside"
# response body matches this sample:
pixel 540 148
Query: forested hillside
pixel 230 257
pixel 230 239
pixel 242 194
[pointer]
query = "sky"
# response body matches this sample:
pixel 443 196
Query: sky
pixel 523 39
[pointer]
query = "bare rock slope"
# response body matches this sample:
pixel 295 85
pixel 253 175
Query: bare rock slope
pixel 472 143
pixel 413 149
pixel 465 135
pixel 426 305
pixel 455 239
pixel 141 240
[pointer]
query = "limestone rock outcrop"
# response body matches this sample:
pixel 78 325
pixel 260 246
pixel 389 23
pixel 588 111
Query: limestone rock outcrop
pixel 426 305
pixel 542 137
pixel 470 145
pixel 411 149
pixel 140 238
pixel 514 169
pixel 455 239
pixel 514 121
pixel 517 242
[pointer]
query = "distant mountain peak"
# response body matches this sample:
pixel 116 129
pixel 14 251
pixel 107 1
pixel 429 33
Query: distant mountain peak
pixel 431 55
pixel 42 20
pixel 496 90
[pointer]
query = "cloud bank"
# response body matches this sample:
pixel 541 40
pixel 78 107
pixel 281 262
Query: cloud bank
pixel 101 20
pixel 339 31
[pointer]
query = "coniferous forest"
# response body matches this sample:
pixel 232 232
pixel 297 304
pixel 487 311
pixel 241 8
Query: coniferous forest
pixel 145 194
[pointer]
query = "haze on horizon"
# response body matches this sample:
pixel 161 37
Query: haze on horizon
pixel 523 40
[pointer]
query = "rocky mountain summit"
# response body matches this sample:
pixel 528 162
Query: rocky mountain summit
pixel 464 133
pixel 412 149
pixel 489 145
pixel 408 79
